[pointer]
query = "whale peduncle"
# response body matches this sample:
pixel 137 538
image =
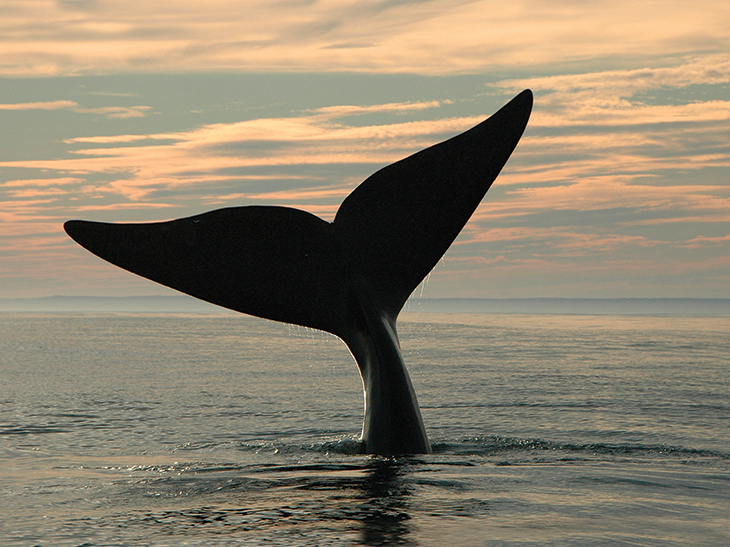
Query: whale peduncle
pixel 392 422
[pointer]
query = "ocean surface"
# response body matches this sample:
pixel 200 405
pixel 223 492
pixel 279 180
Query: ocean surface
pixel 201 429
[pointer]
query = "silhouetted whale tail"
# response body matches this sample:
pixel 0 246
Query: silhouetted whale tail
pixel 350 277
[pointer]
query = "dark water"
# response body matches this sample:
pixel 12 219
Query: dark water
pixel 229 430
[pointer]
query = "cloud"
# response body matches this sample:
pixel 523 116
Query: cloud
pixel 60 181
pixel 108 111
pixel 433 37
pixel 636 139
pixel 47 105
pixel 353 110
pixel 704 241
pixel 141 165
pixel 567 160
pixel 632 98
pixel 121 138
pixel 117 111
pixel 615 203
pixel 679 71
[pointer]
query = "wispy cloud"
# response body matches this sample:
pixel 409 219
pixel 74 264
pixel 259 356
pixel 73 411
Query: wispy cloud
pixel 571 158
pixel 635 139
pixel 353 110
pixel 47 105
pixel 611 98
pixel 704 241
pixel 40 183
pixel 108 111
pixel 437 36
pixel 149 163
pixel 677 72
pixel 117 111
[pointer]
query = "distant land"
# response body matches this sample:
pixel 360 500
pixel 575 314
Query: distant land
pixel 560 306
pixel 114 304
pixel 574 306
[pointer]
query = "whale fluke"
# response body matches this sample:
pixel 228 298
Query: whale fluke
pixel 350 277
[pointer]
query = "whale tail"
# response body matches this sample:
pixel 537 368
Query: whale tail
pixel 350 277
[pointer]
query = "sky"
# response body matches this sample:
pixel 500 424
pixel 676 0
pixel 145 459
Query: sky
pixel 146 111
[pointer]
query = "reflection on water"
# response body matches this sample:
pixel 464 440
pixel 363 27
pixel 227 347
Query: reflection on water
pixel 384 510
pixel 367 501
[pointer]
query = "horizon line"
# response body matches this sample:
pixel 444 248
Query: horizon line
pixel 520 305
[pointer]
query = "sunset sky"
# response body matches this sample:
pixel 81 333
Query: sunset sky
pixel 141 111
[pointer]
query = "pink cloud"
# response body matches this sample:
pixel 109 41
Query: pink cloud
pixel 41 183
pixel 47 105
pixel 440 37
pixel 706 242
pixel 165 160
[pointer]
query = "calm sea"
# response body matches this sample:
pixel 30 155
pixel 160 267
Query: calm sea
pixel 221 429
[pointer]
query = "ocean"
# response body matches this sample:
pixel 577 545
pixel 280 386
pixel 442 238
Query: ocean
pixel 218 429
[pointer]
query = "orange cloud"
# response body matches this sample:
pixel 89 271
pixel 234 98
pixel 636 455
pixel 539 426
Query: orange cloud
pixel 117 111
pixel 47 105
pixel 153 161
pixel 703 241
pixel 108 111
pixel 437 37
pixel 59 181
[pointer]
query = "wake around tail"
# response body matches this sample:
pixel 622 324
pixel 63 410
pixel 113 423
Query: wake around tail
pixel 350 277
